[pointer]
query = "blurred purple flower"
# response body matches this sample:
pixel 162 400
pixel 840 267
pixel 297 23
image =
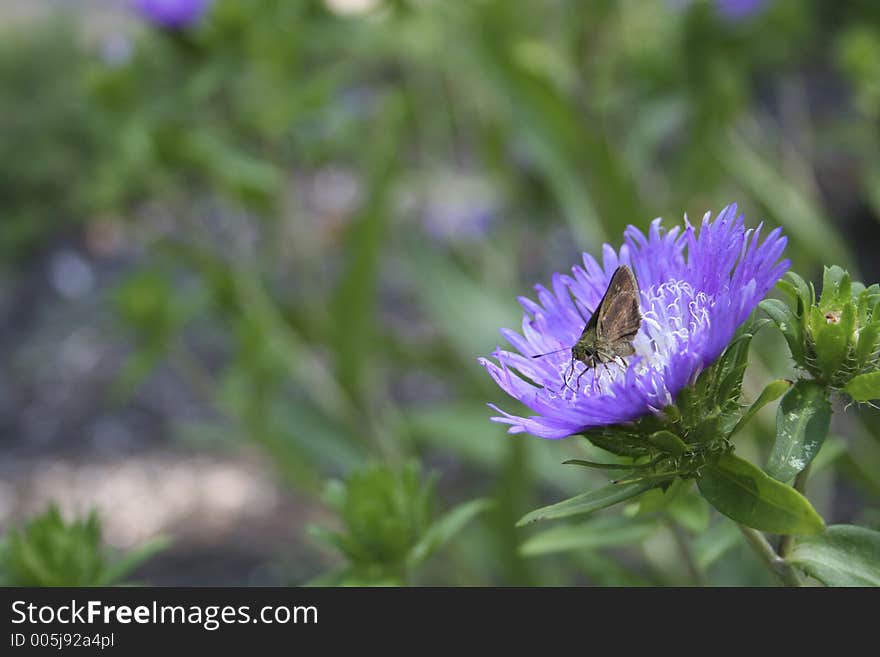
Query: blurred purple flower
pixel 458 206
pixel 458 224
pixel 172 14
pixel 736 10
pixel 691 306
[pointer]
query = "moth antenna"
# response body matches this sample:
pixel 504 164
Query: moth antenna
pixel 551 352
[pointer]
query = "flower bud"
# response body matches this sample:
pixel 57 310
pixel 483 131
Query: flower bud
pixel 834 338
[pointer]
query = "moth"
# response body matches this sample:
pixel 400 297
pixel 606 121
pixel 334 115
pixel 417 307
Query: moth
pixel 610 331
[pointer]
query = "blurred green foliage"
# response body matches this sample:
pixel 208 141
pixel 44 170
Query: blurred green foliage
pixel 390 524
pixel 48 551
pixel 50 137
pixel 319 258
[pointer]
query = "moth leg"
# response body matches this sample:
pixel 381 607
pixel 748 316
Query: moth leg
pixel 567 378
pixel 599 374
pixel 578 382
pixel 597 380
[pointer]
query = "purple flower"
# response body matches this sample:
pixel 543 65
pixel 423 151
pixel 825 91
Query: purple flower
pixel 697 287
pixel 737 10
pixel 172 14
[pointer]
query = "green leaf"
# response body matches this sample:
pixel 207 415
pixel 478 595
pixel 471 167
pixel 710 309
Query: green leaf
pixel 833 449
pixel 601 466
pixel 765 182
pixel 358 577
pixel 845 555
pixel 789 325
pixel 118 571
pixel 864 387
pixel 691 512
pixel 802 423
pixel 591 535
pixel 772 391
pixel 604 570
pixel 746 494
pixel 731 365
pixel 658 499
pixel 354 302
pixel 445 529
pixel 803 292
pixel 588 502
pixel 715 542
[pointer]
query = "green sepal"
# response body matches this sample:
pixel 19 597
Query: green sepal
pixel 668 442
pixel 836 289
pixel 831 339
pixel 866 348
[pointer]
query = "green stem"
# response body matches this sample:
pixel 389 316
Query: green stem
pixel 685 549
pixel 800 484
pixel 780 568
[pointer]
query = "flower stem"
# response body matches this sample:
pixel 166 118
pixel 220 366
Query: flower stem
pixel 685 549
pixel 783 570
pixel 800 485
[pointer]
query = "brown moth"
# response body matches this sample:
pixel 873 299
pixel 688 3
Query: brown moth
pixel 614 324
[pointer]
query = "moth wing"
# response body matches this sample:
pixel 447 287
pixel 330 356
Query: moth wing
pixel 618 316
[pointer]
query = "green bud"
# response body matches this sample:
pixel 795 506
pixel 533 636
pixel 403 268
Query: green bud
pixel 389 525
pixel 834 338
pixel 384 513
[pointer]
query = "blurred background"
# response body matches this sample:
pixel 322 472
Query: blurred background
pixel 250 251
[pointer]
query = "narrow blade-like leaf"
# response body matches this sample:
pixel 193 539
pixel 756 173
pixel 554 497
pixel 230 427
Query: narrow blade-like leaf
pixel 589 502
pixel 591 535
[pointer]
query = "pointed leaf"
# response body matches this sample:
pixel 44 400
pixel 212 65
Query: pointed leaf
pixel 602 466
pixel 659 499
pixel 715 542
pixel 691 512
pixel 789 325
pixel 116 572
pixel 864 387
pixel 445 529
pixel 773 391
pixel 802 423
pixel 803 291
pixel 589 502
pixel 746 494
pixel 845 555
pixel 593 534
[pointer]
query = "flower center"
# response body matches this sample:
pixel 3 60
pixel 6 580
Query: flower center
pixel 674 316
